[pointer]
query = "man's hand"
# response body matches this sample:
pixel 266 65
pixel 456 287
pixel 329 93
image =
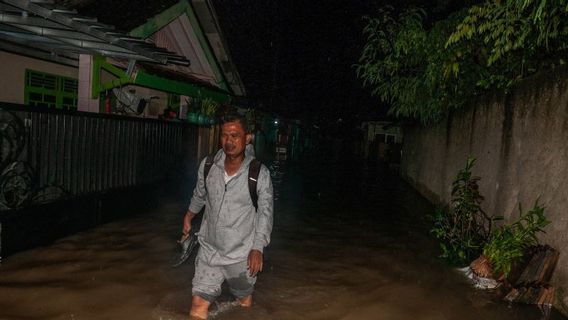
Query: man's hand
pixel 187 222
pixel 254 262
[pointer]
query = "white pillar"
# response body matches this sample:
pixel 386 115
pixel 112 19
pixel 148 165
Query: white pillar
pixel 183 106
pixel 85 102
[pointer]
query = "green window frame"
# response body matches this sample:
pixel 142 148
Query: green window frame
pixel 50 90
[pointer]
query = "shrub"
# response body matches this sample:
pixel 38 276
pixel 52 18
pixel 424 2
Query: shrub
pixel 509 243
pixel 463 227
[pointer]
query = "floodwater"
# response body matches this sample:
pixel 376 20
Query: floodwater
pixel 349 242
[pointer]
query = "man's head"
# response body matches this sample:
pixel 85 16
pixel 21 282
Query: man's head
pixel 234 135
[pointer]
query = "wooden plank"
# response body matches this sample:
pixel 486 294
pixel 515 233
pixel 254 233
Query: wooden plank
pixel 512 295
pixel 552 261
pixel 532 295
pixel 540 268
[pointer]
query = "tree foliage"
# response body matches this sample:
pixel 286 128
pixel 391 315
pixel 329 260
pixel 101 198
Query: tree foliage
pixel 424 72
pixel 401 64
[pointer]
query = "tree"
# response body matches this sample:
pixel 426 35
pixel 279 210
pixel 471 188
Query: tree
pixel 424 73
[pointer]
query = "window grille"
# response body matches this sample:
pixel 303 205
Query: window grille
pixel 50 91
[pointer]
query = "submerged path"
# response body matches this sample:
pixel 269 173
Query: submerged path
pixel 349 242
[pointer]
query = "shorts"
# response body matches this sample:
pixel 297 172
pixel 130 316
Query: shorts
pixel 208 279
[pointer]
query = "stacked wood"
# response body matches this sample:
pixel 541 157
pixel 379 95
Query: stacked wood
pixel 532 285
pixel 532 295
pixel 529 279
pixel 481 267
pixel 539 269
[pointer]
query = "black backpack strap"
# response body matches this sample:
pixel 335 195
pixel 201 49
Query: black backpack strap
pixel 254 171
pixel 206 168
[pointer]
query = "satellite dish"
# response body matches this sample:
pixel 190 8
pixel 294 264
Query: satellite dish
pixel 130 102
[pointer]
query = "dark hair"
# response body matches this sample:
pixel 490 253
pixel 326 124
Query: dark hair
pixel 235 117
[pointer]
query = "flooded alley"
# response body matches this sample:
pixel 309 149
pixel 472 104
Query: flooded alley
pixel 349 242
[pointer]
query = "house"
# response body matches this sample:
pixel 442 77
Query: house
pixel 71 54
pixel 64 166
pixel 381 139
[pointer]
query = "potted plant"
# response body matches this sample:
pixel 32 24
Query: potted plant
pixel 462 226
pixel 193 110
pixel 201 119
pixel 510 242
pixel 208 109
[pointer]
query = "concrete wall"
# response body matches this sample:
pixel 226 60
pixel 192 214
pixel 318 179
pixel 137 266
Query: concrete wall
pixel 521 145
pixel 13 74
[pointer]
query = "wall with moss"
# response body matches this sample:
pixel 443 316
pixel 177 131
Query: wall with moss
pixel 520 141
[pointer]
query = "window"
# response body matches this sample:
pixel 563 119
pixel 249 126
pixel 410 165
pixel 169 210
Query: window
pixel 386 138
pixel 50 91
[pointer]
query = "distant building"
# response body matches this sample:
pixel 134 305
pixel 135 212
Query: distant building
pixel 382 140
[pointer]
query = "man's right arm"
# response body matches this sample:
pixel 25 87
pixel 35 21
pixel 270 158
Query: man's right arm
pixel 197 200
pixel 187 222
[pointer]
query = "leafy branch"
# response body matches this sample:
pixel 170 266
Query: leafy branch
pixel 423 73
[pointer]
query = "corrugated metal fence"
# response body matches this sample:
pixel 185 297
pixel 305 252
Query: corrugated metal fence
pixel 48 154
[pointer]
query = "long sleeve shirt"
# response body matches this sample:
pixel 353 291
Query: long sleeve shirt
pixel 231 226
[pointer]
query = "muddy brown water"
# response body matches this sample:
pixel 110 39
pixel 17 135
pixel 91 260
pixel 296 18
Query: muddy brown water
pixel 349 242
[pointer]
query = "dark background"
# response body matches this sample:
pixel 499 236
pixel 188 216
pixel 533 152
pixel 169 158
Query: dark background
pixel 296 57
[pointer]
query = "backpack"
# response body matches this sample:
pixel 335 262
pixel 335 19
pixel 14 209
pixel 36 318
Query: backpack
pixel 253 172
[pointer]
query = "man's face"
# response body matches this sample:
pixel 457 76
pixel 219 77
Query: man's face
pixel 234 139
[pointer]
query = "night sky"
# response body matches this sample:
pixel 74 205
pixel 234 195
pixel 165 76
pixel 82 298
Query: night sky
pixel 296 57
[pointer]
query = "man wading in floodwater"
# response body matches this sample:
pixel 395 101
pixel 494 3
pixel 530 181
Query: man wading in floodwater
pixel 233 233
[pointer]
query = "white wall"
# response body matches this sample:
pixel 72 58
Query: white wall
pixel 13 74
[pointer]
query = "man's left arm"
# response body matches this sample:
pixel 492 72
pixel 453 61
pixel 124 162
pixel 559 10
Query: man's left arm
pixel 264 219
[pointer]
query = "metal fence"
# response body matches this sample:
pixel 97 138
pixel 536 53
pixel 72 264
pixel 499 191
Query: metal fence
pixel 47 154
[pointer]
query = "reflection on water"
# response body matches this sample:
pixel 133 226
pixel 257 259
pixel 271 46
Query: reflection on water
pixel 277 170
pixel 349 243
